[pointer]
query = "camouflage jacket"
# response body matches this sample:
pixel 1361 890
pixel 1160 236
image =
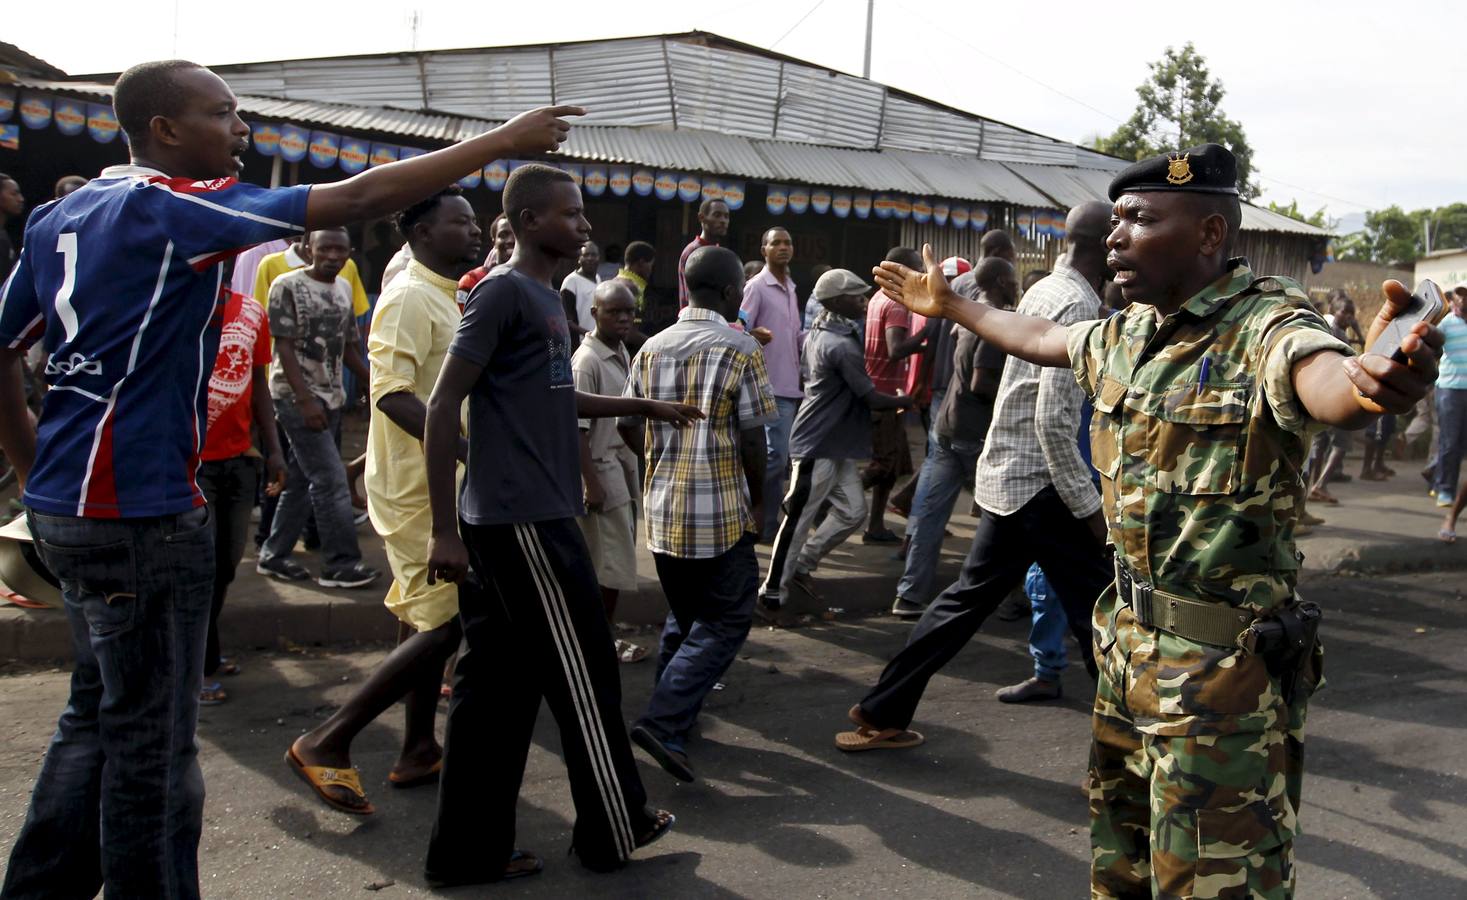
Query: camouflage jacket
pixel 1200 442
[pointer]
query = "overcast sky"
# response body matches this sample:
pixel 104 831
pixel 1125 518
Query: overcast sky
pixel 1348 104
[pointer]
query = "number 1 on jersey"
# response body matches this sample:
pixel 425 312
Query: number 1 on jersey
pixel 66 246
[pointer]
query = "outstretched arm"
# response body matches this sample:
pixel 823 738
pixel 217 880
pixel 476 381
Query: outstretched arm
pixel 599 406
pixel 387 189
pixel 1347 391
pixel 1037 340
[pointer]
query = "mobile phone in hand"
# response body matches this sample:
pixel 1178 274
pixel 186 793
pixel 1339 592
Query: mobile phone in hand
pixel 1427 305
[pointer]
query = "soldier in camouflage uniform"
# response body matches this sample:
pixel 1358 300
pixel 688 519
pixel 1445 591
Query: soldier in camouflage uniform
pixel 1206 390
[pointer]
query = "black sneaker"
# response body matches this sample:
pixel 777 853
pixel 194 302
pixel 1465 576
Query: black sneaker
pixel 906 609
pixel 284 568
pixel 353 576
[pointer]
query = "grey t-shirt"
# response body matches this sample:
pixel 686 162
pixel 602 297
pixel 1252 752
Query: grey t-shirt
pixel 834 421
pixel 317 316
pixel 965 416
pixel 524 450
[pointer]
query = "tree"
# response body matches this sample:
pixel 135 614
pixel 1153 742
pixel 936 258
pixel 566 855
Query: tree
pixel 1179 107
pixel 1392 235
pixel 1318 220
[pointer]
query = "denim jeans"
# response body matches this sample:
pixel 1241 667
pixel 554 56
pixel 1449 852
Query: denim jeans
pixel 119 802
pixel 1451 430
pixel 777 439
pixel 1048 628
pixel 229 485
pixel 948 468
pixel 711 603
pixel 316 482
pixel 919 493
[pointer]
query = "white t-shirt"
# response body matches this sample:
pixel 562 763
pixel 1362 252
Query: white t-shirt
pixel 583 288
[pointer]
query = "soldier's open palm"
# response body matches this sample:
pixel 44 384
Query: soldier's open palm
pixel 921 292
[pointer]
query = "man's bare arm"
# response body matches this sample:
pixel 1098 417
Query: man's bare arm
pixel 17 434
pixel 1031 338
pixel 1346 391
pixel 386 189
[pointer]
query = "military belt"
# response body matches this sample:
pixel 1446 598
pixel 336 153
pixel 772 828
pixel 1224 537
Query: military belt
pixel 1206 622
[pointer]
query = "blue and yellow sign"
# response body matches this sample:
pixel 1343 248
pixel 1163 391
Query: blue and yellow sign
pixel 102 123
pixel 35 109
pixel 294 142
pixel 354 155
pixel 733 194
pixel 820 200
pixel 777 199
pixel 840 204
pixel 643 181
pixel 665 186
pixel 382 154
pixel 496 174
pixel 595 180
pixel 861 206
pixel 71 117
pixel 265 137
pixel 799 200
pixel 324 149
pixel 619 179
pixel 959 216
pixel 689 188
pixel 7 103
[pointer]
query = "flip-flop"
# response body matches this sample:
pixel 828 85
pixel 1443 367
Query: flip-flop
pixel 428 777
pixel 864 738
pixel 664 822
pixel 228 667
pixel 521 865
pixel 1446 535
pixel 322 777
pixel 627 652
pixel 212 694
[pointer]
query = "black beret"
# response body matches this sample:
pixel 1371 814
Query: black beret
pixel 1208 169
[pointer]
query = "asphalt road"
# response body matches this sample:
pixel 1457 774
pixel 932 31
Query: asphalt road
pixel 990 806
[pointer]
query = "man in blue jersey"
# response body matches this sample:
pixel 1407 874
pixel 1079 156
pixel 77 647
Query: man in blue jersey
pixel 121 281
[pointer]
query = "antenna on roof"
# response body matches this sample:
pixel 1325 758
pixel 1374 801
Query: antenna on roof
pixel 415 21
pixel 870 15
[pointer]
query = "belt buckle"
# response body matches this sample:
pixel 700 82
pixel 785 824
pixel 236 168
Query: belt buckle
pixel 1137 594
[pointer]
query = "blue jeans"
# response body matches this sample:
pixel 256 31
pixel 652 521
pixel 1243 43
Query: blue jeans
pixel 777 439
pixel 316 482
pixel 920 491
pixel 1451 429
pixel 120 798
pixel 1048 629
pixel 711 603
pixel 946 470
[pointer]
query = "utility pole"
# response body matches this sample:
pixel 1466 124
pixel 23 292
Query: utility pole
pixel 870 17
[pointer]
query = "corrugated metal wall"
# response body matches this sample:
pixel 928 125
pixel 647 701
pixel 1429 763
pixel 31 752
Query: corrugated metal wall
pixel 621 83
pixel 717 90
pixel 909 125
pixel 820 107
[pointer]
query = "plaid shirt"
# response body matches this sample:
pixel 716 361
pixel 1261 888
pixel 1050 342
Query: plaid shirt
pixel 696 498
pixel 1034 438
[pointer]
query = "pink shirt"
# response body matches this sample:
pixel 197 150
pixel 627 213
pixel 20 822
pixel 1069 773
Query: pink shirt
pixel 889 375
pixel 771 304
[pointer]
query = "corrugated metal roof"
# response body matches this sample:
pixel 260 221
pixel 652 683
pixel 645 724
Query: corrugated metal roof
pixel 822 107
pixel 716 90
pixel 908 125
pixel 623 83
pixel 840 167
pixel 1068 185
pixel 1257 218
pixel 905 170
pixel 966 178
pixel 1008 144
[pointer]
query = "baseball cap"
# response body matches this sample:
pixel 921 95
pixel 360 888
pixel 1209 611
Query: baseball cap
pixel 839 283
pixel 954 266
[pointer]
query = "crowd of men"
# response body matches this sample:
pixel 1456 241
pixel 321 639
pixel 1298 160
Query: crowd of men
pixel 524 431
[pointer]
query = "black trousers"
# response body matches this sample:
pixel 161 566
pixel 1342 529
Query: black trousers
pixel 229 485
pixel 537 629
pixel 1042 530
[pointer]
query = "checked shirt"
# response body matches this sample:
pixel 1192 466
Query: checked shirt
pixel 695 495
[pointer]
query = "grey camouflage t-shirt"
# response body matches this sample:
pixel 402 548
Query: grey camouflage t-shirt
pixel 318 317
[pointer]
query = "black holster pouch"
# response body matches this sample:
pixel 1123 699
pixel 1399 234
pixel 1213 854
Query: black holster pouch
pixel 1286 641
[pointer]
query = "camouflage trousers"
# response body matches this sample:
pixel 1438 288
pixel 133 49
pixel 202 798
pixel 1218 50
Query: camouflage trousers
pixel 1204 808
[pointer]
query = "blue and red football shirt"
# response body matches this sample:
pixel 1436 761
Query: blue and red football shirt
pixel 122 282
